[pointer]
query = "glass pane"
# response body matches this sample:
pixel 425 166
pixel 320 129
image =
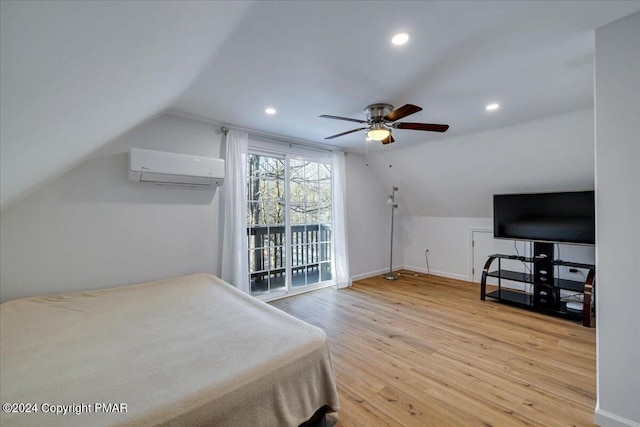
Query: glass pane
pixel 259 283
pixel 252 165
pixel 297 236
pixel 324 195
pixel 252 208
pixel 313 275
pixel 277 282
pixel 272 190
pixel 312 213
pixel 252 189
pixel 266 264
pixel 312 233
pixel 297 214
pixel 324 217
pixel 296 191
pixel 296 170
pixel 324 173
pixel 272 213
pixel 325 251
pixel 270 167
pixel 298 277
pixel 297 255
pixel 325 271
pixel 252 261
pixel 315 253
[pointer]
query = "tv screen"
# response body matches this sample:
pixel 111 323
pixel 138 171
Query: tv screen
pixel 567 217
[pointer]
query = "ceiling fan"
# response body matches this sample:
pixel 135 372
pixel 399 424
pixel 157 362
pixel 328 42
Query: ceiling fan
pixel 380 118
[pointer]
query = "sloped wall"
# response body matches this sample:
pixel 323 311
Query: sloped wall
pixel 447 186
pixel 91 228
pixel 457 177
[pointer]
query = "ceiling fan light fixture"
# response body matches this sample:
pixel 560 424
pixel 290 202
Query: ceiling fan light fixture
pixel 382 118
pixel 378 134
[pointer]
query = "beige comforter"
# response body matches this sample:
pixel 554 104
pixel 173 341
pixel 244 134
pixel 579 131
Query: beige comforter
pixel 186 351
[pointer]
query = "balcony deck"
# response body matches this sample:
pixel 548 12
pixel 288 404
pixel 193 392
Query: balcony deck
pixel 310 256
pixel 261 286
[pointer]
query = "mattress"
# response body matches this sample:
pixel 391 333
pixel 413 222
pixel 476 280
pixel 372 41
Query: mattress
pixel 187 351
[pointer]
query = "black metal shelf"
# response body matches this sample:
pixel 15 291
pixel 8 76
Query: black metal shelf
pixel 511 275
pixel 512 296
pixel 523 299
pixel 554 262
pixel 544 293
pixel 569 285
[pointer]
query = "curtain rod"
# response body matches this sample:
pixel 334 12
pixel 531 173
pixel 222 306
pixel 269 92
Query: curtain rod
pixel 269 137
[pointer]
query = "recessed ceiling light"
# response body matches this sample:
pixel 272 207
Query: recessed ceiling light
pixel 400 39
pixel 491 107
pixel 270 110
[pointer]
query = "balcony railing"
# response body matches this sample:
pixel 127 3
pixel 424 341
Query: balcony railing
pixel 310 254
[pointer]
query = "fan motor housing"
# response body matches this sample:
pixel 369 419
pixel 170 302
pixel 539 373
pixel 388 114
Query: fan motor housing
pixel 376 112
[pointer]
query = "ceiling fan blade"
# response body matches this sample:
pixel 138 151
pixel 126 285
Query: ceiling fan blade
pixel 345 133
pixel 431 127
pixel 388 140
pixel 326 116
pixel 402 112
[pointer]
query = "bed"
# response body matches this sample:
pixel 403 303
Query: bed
pixel 188 351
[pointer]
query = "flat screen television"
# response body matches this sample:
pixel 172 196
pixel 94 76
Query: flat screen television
pixel 567 217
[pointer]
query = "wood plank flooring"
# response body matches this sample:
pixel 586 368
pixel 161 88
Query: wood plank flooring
pixel 425 351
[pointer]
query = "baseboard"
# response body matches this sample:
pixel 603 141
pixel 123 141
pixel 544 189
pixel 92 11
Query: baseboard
pixel 437 273
pixel 607 419
pixel 409 267
pixel 374 273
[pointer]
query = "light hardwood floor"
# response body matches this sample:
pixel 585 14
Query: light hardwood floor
pixel 425 351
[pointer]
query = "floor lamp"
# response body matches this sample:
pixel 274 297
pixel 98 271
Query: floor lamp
pixel 391 200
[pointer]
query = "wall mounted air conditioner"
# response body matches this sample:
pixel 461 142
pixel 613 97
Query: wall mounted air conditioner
pixel 158 167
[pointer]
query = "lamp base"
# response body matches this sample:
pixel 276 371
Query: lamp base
pixel 391 276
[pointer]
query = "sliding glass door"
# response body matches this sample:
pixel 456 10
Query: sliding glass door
pixel 310 214
pixel 289 215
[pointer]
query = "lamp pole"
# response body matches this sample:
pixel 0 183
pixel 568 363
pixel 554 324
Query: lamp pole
pixel 392 201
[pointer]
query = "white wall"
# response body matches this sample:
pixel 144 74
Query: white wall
pixel 91 228
pixel 369 220
pixel 617 109
pixel 447 239
pixel 457 176
pixel 450 180
pixel 449 244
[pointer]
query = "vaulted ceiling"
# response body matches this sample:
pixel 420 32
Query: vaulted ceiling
pixel 74 75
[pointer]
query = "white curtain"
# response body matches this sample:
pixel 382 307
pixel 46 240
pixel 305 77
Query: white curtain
pixel 235 269
pixel 341 259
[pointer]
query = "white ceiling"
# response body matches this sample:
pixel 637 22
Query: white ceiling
pixel 74 75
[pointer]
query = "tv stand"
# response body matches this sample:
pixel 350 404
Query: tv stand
pixel 544 293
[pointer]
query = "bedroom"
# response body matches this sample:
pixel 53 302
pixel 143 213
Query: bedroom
pixel 74 103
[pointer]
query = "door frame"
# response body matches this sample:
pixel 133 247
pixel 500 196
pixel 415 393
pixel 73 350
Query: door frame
pixel 260 148
pixel 471 247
